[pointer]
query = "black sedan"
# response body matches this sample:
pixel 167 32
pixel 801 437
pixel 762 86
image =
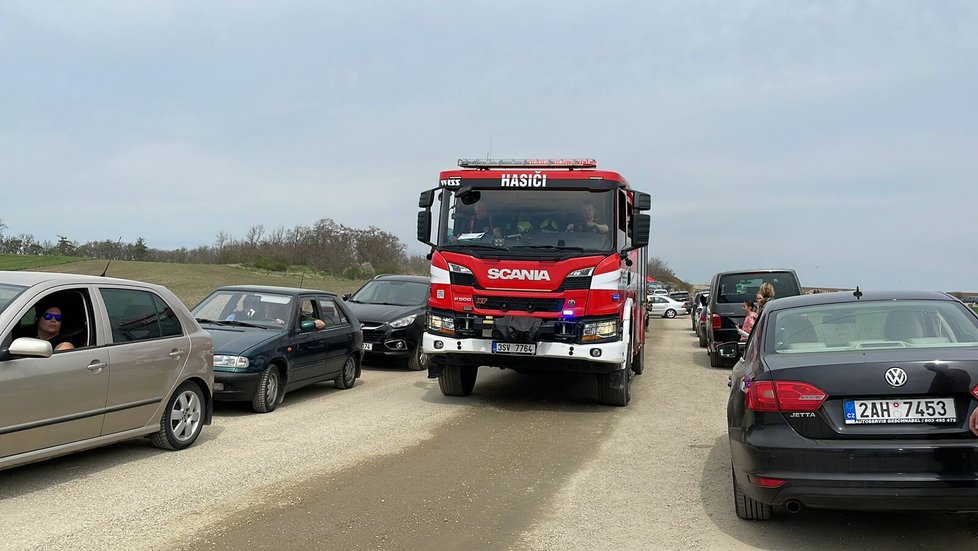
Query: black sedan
pixel 855 401
pixel 270 340
pixel 391 310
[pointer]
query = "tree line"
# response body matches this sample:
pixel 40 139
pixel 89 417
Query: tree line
pixel 326 247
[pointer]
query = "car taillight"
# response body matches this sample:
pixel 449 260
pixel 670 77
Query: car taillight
pixel 765 482
pixel 715 321
pixel 974 391
pixel 784 396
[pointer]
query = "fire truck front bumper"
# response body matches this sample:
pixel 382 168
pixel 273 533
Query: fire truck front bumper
pixel 602 357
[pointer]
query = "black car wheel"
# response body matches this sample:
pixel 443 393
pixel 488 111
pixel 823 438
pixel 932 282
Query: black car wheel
pixel 418 360
pixel 349 375
pixel 747 507
pixel 182 419
pixel 267 393
pixel 458 380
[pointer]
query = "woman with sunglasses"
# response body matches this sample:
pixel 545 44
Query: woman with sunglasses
pixel 48 327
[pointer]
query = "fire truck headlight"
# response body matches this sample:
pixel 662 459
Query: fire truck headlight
pixel 600 330
pixel 441 324
pixel 583 272
pixel 458 269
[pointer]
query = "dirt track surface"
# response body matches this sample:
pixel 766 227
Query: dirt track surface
pixel 524 463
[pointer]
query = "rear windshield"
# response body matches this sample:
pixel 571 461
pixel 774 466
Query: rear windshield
pixel 737 288
pixel 873 325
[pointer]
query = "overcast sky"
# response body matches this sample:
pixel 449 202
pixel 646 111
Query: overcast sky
pixel 836 138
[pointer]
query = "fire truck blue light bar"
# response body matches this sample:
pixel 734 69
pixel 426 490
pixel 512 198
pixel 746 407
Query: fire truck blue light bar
pixel 527 163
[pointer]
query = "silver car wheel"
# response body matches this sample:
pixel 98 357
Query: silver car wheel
pixel 185 416
pixel 271 390
pixel 350 371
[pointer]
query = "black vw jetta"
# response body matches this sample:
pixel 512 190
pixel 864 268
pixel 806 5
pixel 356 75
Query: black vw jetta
pixel 391 310
pixel 855 401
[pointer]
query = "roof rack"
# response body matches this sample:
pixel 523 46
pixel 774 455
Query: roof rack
pixel 527 163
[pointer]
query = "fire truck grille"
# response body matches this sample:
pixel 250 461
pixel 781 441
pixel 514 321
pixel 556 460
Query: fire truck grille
pixel 519 303
pixel 462 279
pixel 575 283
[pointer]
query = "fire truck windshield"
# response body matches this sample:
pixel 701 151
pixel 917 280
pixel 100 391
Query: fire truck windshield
pixel 565 221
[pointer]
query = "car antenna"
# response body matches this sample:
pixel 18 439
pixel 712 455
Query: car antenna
pixel 857 293
pixel 106 268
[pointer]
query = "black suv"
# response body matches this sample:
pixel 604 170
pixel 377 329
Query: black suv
pixel 391 310
pixel 728 292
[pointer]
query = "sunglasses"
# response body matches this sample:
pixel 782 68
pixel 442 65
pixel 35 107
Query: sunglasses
pixel 49 316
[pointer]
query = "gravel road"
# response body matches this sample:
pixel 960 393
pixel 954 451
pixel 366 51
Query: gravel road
pixel 527 462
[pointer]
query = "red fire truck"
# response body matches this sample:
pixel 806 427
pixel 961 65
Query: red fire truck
pixel 537 264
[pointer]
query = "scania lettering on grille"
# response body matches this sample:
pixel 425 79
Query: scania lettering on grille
pixel 506 273
pixel 523 180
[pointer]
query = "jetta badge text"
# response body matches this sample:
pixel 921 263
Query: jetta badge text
pixel 506 273
pixel 896 377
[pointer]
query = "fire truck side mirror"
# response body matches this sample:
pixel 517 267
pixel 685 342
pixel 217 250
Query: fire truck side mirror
pixel 643 201
pixel 641 226
pixel 424 227
pixel 427 199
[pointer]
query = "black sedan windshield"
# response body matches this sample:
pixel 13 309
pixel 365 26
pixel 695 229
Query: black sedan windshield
pixel 399 293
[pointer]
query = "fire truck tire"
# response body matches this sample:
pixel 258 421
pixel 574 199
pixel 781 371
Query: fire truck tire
pixel 610 396
pixel 458 380
pixel 638 362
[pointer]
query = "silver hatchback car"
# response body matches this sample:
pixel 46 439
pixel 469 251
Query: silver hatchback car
pixel 87 361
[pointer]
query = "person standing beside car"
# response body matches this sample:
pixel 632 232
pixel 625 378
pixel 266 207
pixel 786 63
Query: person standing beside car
pixel 764 295
pixel 750 316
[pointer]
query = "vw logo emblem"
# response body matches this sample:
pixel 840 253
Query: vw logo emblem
pixel 896 376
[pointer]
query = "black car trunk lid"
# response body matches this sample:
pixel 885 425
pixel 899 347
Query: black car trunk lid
pixel 870 399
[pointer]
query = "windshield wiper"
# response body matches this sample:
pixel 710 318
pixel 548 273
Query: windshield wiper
pixel 475 246
pixel 237 323
pixel 205 320
pixel 550 247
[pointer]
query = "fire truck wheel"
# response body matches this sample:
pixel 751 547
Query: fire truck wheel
pixel 608 394
pixel 418 359
pixel 638 362
pixel 457 380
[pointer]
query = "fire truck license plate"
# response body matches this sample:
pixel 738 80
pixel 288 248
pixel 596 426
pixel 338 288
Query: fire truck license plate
pixel 514 348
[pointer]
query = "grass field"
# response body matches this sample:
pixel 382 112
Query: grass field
pixel 23 262
pixel 193 282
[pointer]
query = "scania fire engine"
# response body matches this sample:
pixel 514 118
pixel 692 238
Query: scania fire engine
pixel 537 264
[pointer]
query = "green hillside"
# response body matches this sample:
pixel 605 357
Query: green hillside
pixel 193 282
pixel 25 262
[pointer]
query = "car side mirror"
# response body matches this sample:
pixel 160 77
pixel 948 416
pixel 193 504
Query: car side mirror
pixel 729 350
pixel 26 346
pixel 347 296
pixel 307 325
